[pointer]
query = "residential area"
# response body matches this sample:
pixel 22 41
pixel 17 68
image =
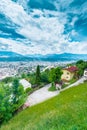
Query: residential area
pixel 27 89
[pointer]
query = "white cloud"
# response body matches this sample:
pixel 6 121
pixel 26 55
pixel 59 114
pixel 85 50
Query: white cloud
pixel 14 11
pixel 77 47
pixel 43 35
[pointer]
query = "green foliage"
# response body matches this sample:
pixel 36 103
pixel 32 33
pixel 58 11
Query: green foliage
pixel 45 76
pixel 31 78
pixel 18 94
pixel 5 104
pixel 7 80
pixel 23 75
pixel 67 111
pixel 55 74
pixel 41 85
pixel 79 62
pixel 11 98
pixel 52 88
pixel 28 90
pixel 72 81
pixel 38 75
pixel 64 86
pixel 15 89
pixel 82 65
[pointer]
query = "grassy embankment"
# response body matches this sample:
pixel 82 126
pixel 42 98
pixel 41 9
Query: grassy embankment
pixel 67 111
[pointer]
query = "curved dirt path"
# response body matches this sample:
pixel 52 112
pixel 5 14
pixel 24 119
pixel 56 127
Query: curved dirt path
pixel 43 94
pixel 40 95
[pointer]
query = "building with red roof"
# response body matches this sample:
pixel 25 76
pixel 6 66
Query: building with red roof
pixel 69 73
pixel 72 69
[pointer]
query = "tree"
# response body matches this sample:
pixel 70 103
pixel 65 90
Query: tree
pixel 81 65
pixel 45 76
pixel 52 75
pixel 7 80
pixel 38 76
pixel 23 75
pixel 15 86
pixel 18 95
pixel 5 103
pixel 79 62
pixel 58 73
pixel 11 98
pixel 55 74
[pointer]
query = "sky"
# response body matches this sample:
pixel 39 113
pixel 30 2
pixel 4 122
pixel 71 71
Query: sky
pixel 43 26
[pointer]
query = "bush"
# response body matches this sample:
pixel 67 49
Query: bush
pixel 41 85
pixel 72 81
pixel 52 88
pixel 28 90
pixel 64 86
pixel 45 76
pixel 5 103
pixel 11 98
pixel 7 80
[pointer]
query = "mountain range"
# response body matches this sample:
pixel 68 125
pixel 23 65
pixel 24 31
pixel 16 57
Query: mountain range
pixel 12 56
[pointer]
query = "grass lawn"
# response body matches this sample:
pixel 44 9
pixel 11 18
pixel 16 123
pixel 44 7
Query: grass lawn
pixel 72 81
pixel 67 111
pixel 52 88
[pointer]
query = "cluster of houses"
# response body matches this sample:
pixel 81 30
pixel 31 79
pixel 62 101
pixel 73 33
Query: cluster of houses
pixel 68 74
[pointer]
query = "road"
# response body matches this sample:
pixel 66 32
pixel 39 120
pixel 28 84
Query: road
pixel 43 93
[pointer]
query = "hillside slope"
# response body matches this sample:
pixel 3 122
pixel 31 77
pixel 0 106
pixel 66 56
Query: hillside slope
pixel 67 111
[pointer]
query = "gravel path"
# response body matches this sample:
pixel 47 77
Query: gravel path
pixel 41 95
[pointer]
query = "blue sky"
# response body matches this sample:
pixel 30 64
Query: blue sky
pixel 43 26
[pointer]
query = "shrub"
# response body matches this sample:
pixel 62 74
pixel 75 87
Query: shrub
pixel 7 80
pixel 64 86
pixel 28 90
pixel 5 104
pixel 41 85
pixel 52 88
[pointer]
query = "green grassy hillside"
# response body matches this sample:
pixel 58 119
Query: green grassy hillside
pixel 67 111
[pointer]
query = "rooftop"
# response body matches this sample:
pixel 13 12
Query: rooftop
pixel 71 69
pixel 25 83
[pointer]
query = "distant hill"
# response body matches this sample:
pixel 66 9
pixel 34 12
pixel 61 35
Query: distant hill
pixel 66 57
pixel 11 56
pixel 67 111
pixel 57 57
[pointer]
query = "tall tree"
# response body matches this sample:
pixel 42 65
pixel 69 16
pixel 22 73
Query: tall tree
pixel 15 86
pixel 18 94
pixel 45 76
pixel 38 76
pixel 81 65
pixel 5 103
pixel 55 74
